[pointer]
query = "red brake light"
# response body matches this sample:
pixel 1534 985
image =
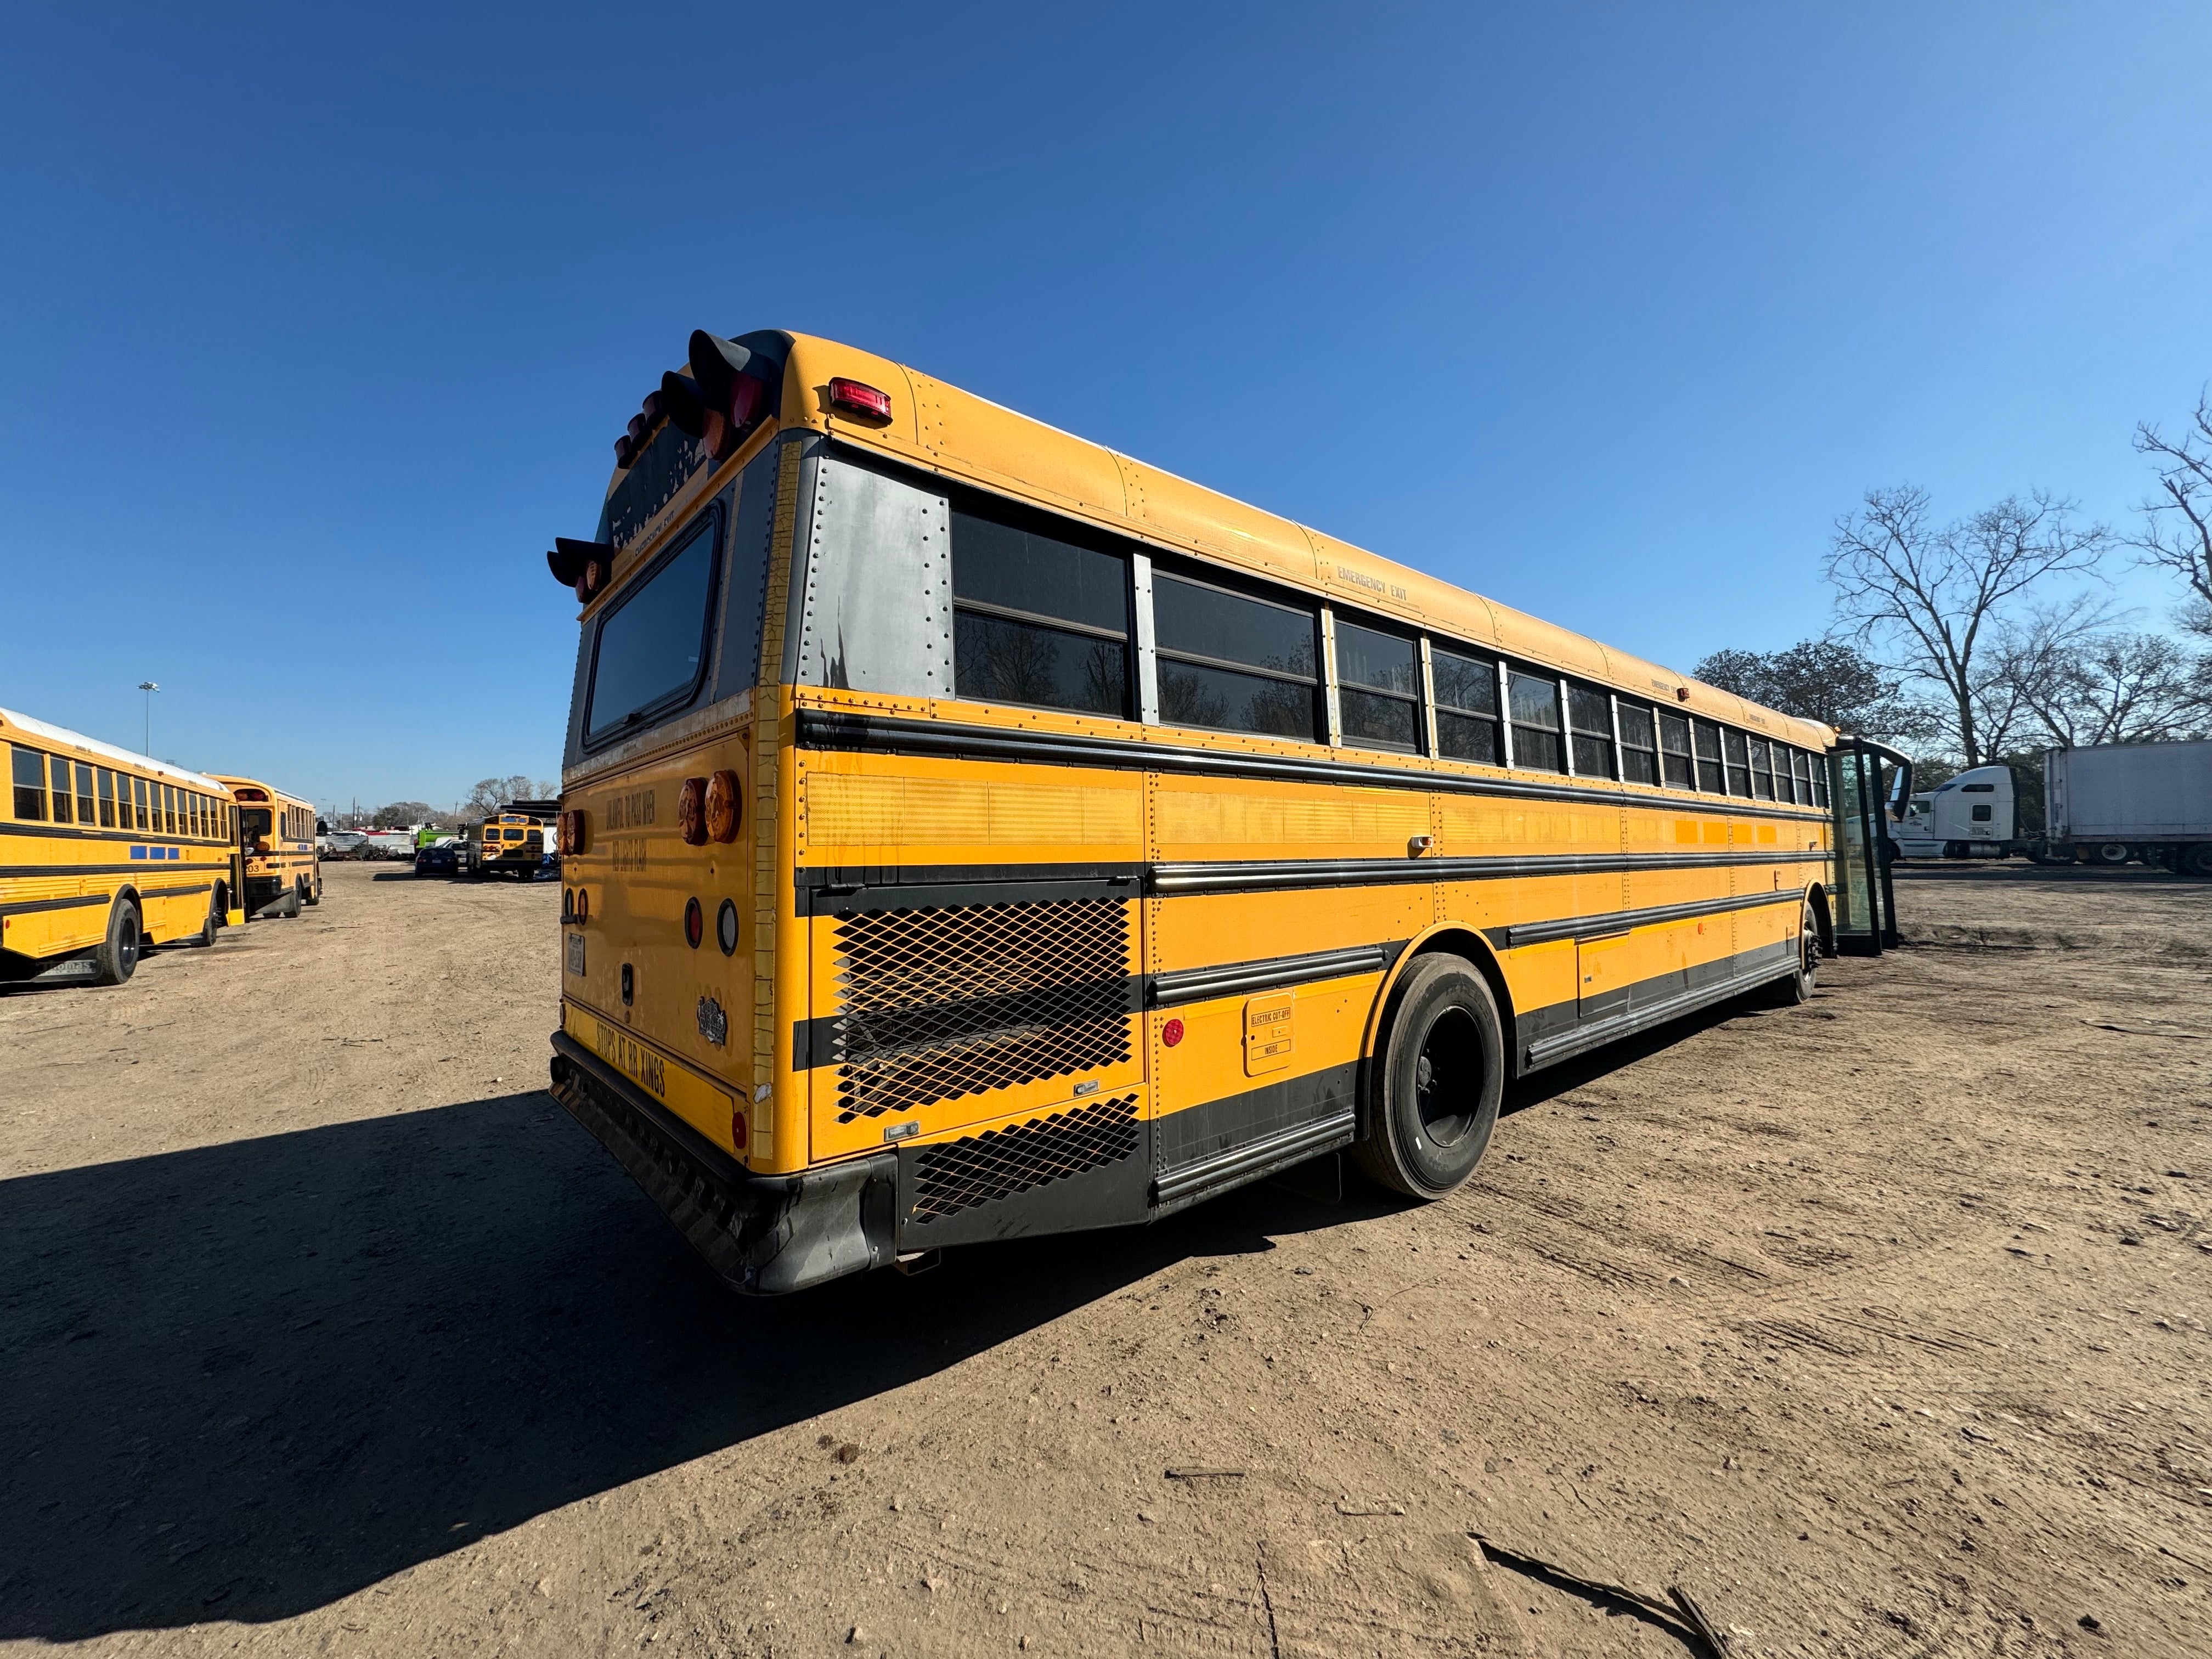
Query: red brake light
pixel 851 397
pixel 694 923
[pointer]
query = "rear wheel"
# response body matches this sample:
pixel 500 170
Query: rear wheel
pixel 211 922
pixel 1438 1082
pixel 1797 985
pixel 2106 851
pixel 2197 858
pixel 117 958
pixel 313 893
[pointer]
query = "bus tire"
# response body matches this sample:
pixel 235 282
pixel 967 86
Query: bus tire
pixel 314 888
pixel 1797 985
pixel 2107 852
pixel 117 956
pixel 210 922
pixel 2196 859
pixel 1437 1080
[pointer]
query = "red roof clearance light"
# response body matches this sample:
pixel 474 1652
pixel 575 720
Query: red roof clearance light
pixel 851 397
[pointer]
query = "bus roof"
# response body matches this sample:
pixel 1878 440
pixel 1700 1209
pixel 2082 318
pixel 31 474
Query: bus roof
pixel 939 428
pixel 46 731
pixel 230 780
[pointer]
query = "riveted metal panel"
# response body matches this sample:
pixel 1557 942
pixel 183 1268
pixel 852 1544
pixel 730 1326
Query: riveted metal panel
pixel 876 604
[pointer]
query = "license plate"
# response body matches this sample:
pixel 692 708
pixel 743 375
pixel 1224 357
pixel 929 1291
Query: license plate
pixel 576 954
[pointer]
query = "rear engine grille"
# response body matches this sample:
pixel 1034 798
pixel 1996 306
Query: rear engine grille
pixel 999 1162
pixel 960 999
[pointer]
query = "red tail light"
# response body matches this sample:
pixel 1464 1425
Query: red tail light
pixel 737 1127
pixel 691 812
pixel 851 397
pixel 694 923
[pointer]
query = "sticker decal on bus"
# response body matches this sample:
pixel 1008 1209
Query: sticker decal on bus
pixel 636 1062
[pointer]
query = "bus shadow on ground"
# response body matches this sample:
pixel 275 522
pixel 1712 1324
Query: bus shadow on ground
pixel 245 1381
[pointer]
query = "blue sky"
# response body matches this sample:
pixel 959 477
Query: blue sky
pixel 314 331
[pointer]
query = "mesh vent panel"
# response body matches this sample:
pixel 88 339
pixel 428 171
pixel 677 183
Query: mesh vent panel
pixel 999 1162
pixel 960 1000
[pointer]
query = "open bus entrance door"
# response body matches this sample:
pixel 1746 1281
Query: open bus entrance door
pixel 1865 907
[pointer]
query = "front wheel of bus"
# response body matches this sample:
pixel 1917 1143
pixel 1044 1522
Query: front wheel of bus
pixel 314 889
pixel 1437 1080
pixel 117 958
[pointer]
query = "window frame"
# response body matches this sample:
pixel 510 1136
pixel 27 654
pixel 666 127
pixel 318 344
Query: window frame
pixel 1006 513
pixel 1608 736
pixel 1626 713
pixel 713 521
pixel 1761 765
pixel 1317 684
pixel 1418 699
pixel 1492 667
pixel 1556 685
pixel 1717 785
pixel 1730 765
pixel 18 753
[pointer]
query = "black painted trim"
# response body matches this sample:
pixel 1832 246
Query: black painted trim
pixel 1282 874
pixel 1184 985
pixel 1595 1034
pixel 836 729
pixel 1605 923
pixel 30 907
pixel 139 867
pixel 850 889
pixel 1242 1165
pixel 175 892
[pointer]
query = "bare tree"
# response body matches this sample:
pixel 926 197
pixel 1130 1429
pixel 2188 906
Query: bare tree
pixel 400 815
pixel 2177 526
pixel 1825 680
pixel 1932 597
pixel 491 793
pixel 2109 687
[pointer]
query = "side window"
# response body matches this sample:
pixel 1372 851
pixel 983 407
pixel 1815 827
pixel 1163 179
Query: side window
pixel 1590 721
pixel 1821 781
pixel 1639 742
pixel 1762 770
pixel 1378 681
pixel 1982 812
pixel 30 779
pixel 107 798
pixel 1739 761
pixel 652 647
pixel 1037 619
pixel 1467 706
pixel 62 796
pixel 1709 779
pixel 1233 663
pixel 1676 770
pixel 139 792
pixel 1801 777
pixel 1534 707
pixel 86 811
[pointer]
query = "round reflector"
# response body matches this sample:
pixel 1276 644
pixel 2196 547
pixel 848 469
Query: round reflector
pixel 725 928
pixel 691 812
pixel 1171 1033
pixel 723 808
pixel 694 923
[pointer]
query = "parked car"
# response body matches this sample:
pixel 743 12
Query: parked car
pixel 344 843
pixel 441 857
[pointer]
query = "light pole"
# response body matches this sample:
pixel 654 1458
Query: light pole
pixel 149 689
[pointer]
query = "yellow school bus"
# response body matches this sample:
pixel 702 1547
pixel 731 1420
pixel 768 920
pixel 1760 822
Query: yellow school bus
pixel 510 843
pixel 103 852
pixel 969 832
pixel 276 833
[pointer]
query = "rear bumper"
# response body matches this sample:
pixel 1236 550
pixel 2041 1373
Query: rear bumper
pixel 762 1234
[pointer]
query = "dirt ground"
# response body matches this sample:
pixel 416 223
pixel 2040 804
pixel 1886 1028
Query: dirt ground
pixel 1878 1326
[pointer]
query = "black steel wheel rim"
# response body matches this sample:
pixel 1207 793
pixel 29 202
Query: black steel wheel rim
pixel 1447 1076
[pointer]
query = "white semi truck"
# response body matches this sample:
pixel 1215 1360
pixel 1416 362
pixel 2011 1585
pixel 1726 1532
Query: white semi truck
pixel 2147 802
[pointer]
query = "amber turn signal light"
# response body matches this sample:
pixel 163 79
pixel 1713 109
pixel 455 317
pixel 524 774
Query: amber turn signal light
pixel 568 833
pixel 724 809
pixel 691 812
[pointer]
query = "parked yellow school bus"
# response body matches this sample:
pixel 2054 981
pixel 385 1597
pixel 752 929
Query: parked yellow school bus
pixel 104 852
pixel 284 865
pixel 510 843
pixel 969 832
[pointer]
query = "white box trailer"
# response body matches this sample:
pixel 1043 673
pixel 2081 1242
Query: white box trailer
pixel 2151 801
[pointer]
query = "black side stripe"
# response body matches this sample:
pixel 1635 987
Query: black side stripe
pixel 1274 875
pixel 29 907
pixel 83 832
pixel 175 892
pixel 142 868
pixel 1170 990
pixel 822 728
pixel 1607 922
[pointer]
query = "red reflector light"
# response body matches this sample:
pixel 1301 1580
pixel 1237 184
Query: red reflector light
pixel 694 923
pixel 851 397
pixel 1171 1033
pixel 737 1127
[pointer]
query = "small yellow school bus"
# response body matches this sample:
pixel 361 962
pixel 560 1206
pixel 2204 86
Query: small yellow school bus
pixel 276 833
pixel 969 832
pixel 103 852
